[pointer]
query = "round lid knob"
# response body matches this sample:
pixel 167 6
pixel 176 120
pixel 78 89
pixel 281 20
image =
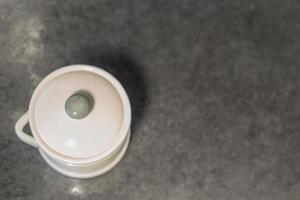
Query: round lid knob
pixel 78 106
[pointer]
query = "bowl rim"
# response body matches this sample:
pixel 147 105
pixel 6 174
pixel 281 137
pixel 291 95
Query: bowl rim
pixel 122 131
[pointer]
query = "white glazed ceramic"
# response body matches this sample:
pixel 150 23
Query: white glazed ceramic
pixel 79 148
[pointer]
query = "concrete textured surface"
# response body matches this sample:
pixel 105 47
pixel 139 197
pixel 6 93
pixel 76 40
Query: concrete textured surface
pixel 215 89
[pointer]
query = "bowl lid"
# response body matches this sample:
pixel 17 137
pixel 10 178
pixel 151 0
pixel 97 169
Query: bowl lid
pixel 79 114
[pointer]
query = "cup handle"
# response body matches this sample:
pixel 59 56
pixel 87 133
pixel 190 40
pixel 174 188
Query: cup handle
pixel 20 133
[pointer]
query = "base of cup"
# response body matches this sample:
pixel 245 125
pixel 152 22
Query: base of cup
pixel 88 171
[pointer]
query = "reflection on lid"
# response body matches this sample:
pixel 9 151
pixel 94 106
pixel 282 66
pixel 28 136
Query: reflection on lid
pixel 71 143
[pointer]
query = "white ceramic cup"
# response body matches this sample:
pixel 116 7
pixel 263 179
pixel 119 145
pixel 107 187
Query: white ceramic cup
pixel 84 147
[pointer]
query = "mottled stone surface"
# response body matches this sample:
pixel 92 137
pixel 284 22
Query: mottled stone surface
pixel 215 89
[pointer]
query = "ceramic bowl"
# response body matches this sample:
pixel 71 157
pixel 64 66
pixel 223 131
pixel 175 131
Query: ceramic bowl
pixel 80 120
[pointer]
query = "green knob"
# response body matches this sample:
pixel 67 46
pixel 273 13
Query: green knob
pixel 78 106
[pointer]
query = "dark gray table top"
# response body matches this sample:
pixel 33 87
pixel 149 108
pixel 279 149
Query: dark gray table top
pixel 214 85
